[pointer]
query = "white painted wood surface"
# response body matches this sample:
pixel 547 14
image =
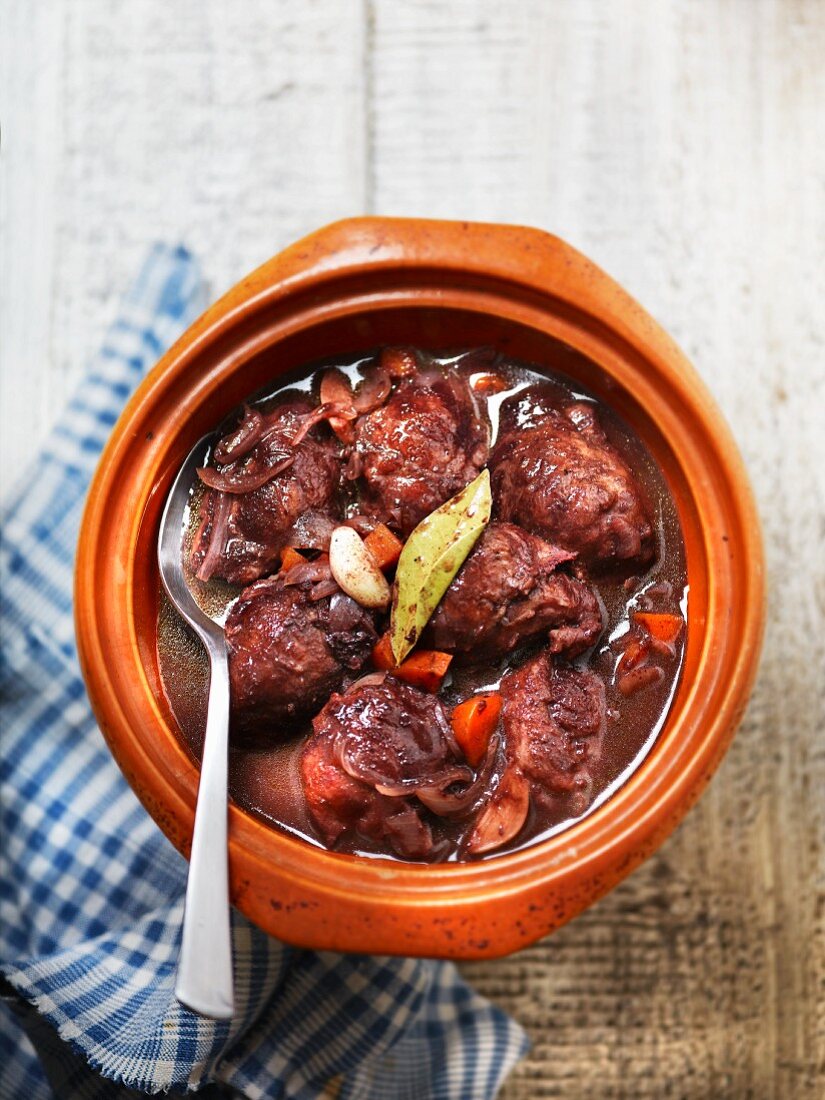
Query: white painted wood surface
pixel 680 144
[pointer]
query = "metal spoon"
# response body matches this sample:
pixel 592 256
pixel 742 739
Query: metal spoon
pixel 204 979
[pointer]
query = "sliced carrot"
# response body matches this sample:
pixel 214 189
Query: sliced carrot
pixel 382 656
pixel 665 628
pixel 634 655
pixel 489 383
pixel 384 546
pixel 473 722
pixel 290 557
pixel 424 669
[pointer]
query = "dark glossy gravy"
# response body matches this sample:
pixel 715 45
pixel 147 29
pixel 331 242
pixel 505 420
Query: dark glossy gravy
pixel 266 782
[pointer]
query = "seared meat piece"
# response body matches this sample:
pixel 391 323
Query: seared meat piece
pixel 509 590
pixel 263 485
pixel 554 471
pixel 339 804
pixel 288 649
pixel 378 753
pixel 420 448
pixel 554 720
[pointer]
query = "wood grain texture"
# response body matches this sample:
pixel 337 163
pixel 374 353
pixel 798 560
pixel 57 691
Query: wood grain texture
pixel 234 128
pixel 681 146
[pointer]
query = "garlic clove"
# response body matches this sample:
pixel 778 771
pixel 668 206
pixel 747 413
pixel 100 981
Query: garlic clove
pixel 355 569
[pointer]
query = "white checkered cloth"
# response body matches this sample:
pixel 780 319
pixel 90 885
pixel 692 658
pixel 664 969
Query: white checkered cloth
pixel 91 892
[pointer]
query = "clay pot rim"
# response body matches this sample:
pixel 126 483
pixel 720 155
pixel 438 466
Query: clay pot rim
pixel 592 314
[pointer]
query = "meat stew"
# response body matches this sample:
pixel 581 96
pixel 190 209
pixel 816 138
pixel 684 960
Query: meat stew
pixel 544 673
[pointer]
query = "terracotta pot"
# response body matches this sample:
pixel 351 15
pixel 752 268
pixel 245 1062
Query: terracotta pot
pixel 349 287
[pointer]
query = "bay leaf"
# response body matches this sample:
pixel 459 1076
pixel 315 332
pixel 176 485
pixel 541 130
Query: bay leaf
pixel 432 555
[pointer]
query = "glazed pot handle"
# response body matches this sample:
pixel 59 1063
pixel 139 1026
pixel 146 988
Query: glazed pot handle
pixel 516 253
pixel 532 259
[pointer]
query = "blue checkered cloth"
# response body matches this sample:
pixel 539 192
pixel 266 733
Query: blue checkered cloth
pixel 91 892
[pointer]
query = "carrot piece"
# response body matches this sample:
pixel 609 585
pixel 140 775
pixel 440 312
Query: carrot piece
pixel 384 546
pixel 290 557
pixel 635 654
pixel 473 722
pixel 382 656
pixel 489 383
pixel 665 628
pixel 424 669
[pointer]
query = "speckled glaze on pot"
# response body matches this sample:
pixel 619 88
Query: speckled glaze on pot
pixel 351 286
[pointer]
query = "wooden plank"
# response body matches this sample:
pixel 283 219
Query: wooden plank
pixel 234 128
pixel 31 45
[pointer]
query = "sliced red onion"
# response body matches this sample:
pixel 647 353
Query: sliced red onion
pixel 346 759
pixel 221 511
pixel 329 411
pixel 372 679
pixel 663 648
pixel 450 804
pixel 244 479
pixel 362 524
pixel 335 388
pixel 452 773
pixel 456 773
pixel 242 440
pixel 308 571
pixel 354 467
pixel 311 531
pixel 373 391
pixel 449 737
pixel 322 589
pixel 445 804
pixel 344 612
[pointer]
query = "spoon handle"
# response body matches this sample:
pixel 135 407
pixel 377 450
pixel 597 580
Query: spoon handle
pixel 204 978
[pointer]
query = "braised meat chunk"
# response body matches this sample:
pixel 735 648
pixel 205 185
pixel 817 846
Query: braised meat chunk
pixel 342 806
pixel 420 448
pixel 554 472
pixel 508 591
pixel 276 470
pixel 554 720
pixel 378 754
pixel 290 646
